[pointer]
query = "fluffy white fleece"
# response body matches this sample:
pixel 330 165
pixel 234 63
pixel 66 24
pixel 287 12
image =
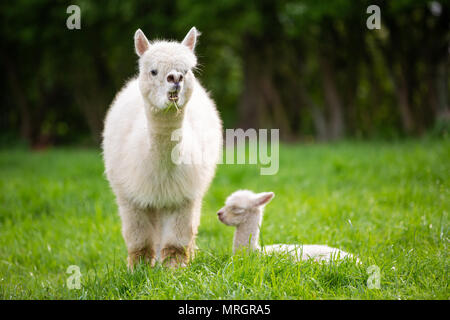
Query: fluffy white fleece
pixel 160 199
pixel 244 210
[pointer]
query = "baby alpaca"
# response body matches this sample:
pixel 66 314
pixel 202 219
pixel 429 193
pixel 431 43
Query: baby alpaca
pixel 161 117
pixel 244 210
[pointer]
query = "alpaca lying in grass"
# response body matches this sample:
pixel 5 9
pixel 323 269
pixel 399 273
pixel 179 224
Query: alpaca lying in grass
pixel 244 210
pixel 159 118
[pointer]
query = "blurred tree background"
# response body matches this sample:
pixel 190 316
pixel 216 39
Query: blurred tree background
pixel 311 68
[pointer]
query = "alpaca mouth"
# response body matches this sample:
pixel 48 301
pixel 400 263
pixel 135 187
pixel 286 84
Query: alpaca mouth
pixel 173 96
pixel 222 219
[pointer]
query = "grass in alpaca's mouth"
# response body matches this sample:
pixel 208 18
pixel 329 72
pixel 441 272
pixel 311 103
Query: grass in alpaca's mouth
pixel 173 98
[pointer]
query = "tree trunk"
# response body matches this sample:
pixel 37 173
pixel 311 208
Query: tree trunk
pixel 261 104
pixel 26 124
pixel 90 107
pixel 251 105
pixel 441 85
pixel 317 114
pixel 402 93
pixel 333 100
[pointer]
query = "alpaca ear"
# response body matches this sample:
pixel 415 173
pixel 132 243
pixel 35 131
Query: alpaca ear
pixel 191 38
pixel 263 198
pixel 141 43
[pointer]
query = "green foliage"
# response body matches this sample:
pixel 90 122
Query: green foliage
pixel 62 81
pixel 386 202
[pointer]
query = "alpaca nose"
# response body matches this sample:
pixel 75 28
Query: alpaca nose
pixel 175 77
pixel 220 213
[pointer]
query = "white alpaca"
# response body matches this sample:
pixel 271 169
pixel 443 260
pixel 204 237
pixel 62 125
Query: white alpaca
pixel 158 118
pixel 244 210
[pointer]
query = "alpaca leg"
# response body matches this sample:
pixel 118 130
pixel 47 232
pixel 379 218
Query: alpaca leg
pixel 136 229
pixel 180 247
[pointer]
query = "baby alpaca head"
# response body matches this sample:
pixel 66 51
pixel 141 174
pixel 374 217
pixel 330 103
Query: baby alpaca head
pixel 165 70
pixel 243 205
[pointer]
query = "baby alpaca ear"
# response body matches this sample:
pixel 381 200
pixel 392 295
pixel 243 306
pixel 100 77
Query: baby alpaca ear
pixel 263 198
pixel 141 43
pixel 191 38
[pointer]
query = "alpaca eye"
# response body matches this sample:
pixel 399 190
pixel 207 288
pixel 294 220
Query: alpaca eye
pixel 184 72
pixel 154 72
pixel 237 210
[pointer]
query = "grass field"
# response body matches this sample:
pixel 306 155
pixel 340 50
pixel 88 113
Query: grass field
pixel 388 203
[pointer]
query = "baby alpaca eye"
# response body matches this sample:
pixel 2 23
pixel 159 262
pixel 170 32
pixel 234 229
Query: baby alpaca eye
pixel 237 210
pixel 154 72
pixel 184 72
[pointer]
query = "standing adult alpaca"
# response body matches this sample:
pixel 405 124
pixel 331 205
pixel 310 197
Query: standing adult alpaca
pixel 158 118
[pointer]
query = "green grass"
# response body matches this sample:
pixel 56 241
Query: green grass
pixel 388 203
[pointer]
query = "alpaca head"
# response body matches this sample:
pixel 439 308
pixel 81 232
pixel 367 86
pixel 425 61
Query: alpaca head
pixel 165 70
pixel 243 205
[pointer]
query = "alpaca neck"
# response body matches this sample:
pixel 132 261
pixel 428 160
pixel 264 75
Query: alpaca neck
pixel 247 233
pixel 161 126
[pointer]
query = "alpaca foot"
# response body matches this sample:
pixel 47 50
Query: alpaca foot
pixel 141 255
pixel 175 257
